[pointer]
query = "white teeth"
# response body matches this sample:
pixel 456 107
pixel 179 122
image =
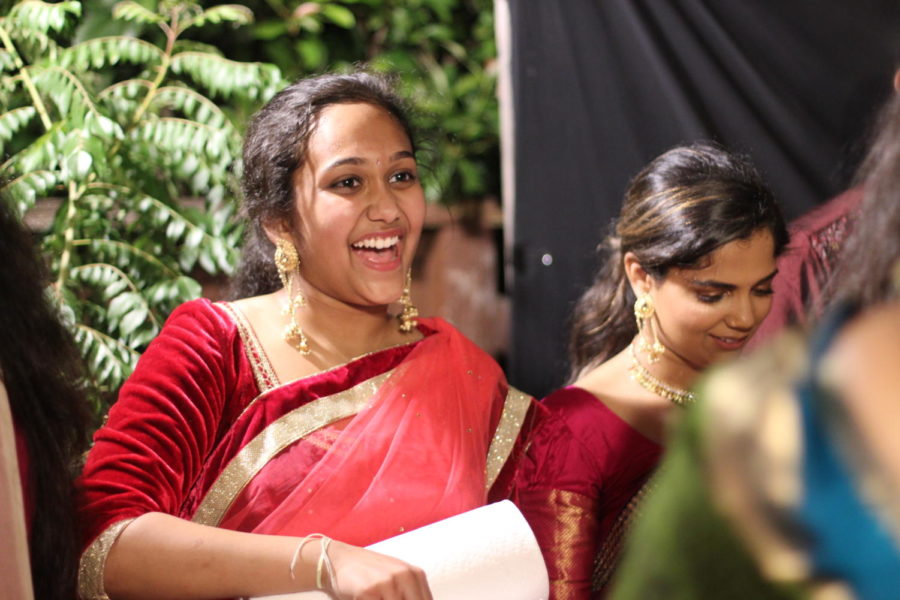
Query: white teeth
pixel 377 243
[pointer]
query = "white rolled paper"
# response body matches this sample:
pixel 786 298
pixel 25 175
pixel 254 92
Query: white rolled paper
pixel 488 553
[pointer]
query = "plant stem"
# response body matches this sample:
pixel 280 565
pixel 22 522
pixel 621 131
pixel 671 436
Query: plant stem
pixel 171 30
pixel 26 78
pixel 69 235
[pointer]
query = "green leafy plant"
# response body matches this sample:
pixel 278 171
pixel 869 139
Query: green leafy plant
pixel 129 137
pixel 443 52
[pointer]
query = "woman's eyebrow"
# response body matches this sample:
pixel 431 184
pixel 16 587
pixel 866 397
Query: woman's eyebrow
pixel 355 160
pixel 728 286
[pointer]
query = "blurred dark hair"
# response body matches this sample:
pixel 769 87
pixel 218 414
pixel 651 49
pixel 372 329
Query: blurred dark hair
pixel 869 264
pixel 42 371
pixel 683 205
pixel 275 146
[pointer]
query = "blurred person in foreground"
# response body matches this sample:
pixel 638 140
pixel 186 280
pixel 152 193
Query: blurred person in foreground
pixel 784 481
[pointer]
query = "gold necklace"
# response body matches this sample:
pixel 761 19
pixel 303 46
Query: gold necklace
pixel 647 381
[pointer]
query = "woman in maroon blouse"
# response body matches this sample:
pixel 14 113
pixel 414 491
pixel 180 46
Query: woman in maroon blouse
pixel 687 280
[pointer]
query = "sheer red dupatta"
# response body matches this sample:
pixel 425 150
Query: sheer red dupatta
pixel 415 453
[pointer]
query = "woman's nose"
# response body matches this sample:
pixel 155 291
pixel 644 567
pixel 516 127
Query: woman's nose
pixel 383 204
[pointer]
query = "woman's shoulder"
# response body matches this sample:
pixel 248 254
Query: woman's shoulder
pixel 202 314
pixel 590 421
pixel 578 406
pixel 430 326
pixel 194 326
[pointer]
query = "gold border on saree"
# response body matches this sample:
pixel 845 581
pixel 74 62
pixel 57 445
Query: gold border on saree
pixel 286 430
pixel 515 408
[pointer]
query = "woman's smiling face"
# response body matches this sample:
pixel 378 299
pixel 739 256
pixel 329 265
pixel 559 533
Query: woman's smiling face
pixel 359 206
pixel 707 313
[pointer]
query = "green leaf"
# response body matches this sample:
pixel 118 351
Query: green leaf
pixel 41 16
pixel 313 52
pixel 233 13
pixel 14 120
pixel 192 105
pixel 7 61
pixel 132 11
pixel 98 53
pixel 123 304
pixel 26 189
pixel 134 319
pixel 227 77
pixel 79 164
pixel 339 15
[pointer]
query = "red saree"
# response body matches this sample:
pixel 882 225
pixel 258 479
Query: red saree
pixel 583 469
pixel 388 442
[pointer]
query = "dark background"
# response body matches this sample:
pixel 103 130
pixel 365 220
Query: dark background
pixel 600 87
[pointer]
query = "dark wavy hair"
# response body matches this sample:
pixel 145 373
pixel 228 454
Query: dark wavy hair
pixel 42 371
pixel 275 146
pixel 868 270
pixel 679 208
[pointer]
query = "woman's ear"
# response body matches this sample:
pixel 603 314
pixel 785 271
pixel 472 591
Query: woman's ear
pixel 639 279
pixel 276 229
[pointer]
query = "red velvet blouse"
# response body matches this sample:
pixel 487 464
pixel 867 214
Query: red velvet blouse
pixel 583 467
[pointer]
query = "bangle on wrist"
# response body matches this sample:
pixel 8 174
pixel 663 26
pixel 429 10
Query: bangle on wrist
pixel 323 565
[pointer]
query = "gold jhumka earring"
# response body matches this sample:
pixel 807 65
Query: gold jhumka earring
pixel 643 312
pixel 409 312
pixel 287 263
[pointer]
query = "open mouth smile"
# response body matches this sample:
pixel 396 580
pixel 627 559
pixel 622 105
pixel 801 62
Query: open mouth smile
pixel 379 252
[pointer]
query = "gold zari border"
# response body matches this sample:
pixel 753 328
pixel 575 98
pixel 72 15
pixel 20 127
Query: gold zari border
pixel 92 566
pixel 263 372
pixel 285 431
pixel 515 408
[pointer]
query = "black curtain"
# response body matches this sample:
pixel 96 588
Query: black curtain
pixel 600 87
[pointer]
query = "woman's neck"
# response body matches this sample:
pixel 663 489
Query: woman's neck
pixel 338 332
pixel 671 368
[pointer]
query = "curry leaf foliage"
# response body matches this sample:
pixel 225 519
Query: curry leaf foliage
pixel 131 142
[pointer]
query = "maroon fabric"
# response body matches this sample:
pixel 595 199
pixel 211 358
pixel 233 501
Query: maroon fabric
pixel 579 445
pixel 808 261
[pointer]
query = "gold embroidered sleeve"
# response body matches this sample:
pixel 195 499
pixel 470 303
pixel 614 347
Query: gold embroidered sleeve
pixel 566 528
pixel 93 562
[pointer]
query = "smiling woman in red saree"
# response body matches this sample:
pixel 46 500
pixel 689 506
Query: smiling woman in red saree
pixel 388 442
pixel 302 407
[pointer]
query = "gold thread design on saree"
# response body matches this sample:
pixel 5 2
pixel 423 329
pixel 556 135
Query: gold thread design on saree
pixel 263 373
pixel 286 430
pixel 515 408
pixel 93 562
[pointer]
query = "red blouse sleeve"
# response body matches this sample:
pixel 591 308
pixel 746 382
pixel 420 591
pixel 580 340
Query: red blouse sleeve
pixel 168 416
pixel 559 494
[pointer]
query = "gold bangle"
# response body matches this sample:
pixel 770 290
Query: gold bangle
pixel 324 560
pixel 312 536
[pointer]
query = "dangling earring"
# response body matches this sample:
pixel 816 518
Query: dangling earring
pixel 409 313
pixel 287 263
pixel 643 312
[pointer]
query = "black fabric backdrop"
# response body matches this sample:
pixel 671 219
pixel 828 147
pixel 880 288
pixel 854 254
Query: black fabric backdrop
pixel 600 87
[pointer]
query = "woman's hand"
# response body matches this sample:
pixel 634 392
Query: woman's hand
pixel 362 574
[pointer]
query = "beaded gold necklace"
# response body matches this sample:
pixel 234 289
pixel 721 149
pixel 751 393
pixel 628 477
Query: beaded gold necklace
pixel 647 381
